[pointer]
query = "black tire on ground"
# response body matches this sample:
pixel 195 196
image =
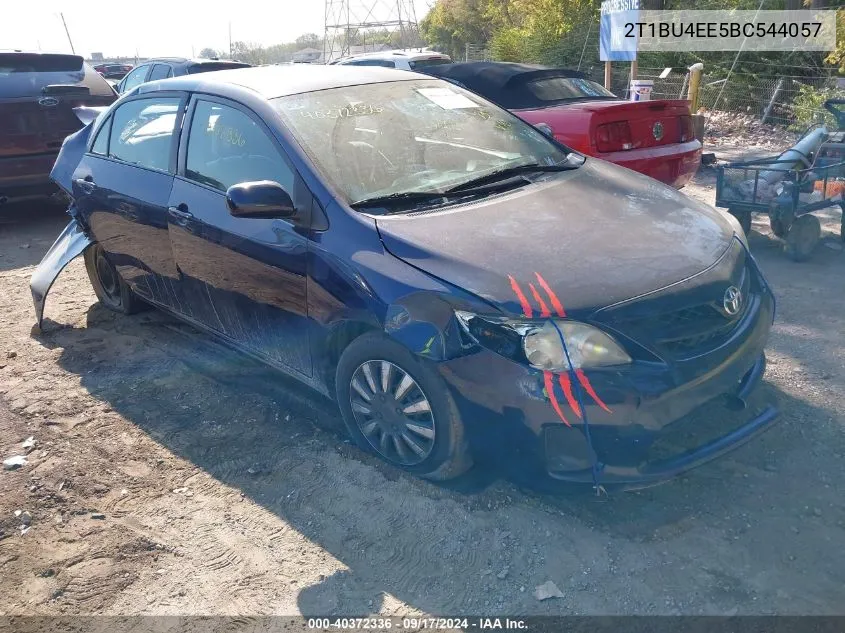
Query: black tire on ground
pixel 803 236
pixel 445 458
pixel 744 218
pixel 108 285
pixel 779 229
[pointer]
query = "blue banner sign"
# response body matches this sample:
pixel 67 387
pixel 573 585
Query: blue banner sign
pixel 613 45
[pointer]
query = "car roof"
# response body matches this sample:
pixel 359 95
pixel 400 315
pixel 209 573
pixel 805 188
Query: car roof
pixel 498 75
pixel 189 60
pixel 412 54
pixel 280 81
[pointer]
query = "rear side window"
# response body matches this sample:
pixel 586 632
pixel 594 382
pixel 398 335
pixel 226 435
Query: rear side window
pixel 160 71
pixel 211 66
pixel 142 132
pixel 425 63
pixel 563 88
pixel 387 63
pixel 227 147
pixel 27 74
pixel 101 143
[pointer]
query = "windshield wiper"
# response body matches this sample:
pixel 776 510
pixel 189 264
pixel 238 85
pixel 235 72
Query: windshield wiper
pixel 401 197
pixel 509 172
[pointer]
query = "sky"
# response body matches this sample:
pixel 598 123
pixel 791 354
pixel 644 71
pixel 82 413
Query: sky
pixel 166 27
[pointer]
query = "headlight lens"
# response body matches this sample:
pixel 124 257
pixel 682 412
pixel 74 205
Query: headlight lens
pixel 540 342
pixel 587 347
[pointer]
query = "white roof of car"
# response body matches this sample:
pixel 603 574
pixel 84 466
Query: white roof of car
pixel 410 54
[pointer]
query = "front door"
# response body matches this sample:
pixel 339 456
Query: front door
pixel 242 277
pixel 122 187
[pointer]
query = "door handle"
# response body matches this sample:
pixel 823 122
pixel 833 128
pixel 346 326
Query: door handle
pixel 86 185
pixel 180 214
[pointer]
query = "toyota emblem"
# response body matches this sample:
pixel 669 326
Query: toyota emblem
pixel 657 131
pixel 732 301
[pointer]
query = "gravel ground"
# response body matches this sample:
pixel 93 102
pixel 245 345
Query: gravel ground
pixel 170 476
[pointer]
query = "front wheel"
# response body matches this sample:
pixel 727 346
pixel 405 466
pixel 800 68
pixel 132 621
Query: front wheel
pixel 397 406
pixel 111 290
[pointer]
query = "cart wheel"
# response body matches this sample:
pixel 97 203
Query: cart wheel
pixel 744 218
pixel 802 238
pixel 779 228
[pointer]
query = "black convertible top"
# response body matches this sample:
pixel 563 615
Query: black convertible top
pixel 501 82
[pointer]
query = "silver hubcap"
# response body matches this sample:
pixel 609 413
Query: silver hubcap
pixel 392 412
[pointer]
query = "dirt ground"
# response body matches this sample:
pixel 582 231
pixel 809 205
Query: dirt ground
pixel 173 477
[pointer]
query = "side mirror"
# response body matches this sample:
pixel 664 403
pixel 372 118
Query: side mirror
pixel 260 199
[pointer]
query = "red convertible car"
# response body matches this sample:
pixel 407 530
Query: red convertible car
pixel 655 138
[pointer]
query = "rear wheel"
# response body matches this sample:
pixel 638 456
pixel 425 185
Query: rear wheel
pixel 802 238
pixel 396 406
pixel 111 290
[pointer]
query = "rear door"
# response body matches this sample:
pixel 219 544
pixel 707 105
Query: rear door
pixel 37 95
pixel 122 186
pixel 244 278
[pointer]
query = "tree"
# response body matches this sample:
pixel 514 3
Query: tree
pixel 209 53
pixel 309 40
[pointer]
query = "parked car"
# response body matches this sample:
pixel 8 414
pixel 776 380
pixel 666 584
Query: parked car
pixel 450 275
pixel 655 138
pixel 113 71
pixel 165 67
pixel 412 59
pixel 38 92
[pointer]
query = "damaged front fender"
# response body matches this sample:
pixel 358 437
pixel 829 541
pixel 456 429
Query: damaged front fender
pixel 70 244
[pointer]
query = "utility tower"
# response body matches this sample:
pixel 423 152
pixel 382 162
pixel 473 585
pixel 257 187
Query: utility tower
pixel 353 25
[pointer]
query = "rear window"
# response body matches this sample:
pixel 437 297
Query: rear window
pixel 29 74
pixel 209 67
pixel 566 88
pixel 425 63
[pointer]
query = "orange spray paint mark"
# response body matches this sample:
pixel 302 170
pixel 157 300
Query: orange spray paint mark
pixel 585 382
pixel 556 304
pixel 544 309
pixel 550 391
pixel 566 385
pixel 523 300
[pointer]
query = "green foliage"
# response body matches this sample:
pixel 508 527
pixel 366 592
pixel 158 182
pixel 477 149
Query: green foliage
pixel 808 107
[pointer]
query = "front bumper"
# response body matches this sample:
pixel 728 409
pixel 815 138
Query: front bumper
pixel 507 411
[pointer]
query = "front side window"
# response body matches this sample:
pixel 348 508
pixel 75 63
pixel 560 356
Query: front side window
pixel 567 88
pixel 142 132
pixel 135 78
pixel 227 147
pixel 409 136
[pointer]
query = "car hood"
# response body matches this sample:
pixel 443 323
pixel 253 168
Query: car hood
pixel 596 235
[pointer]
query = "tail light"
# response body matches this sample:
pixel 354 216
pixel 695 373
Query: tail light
pixel 613 137
pixel 687 130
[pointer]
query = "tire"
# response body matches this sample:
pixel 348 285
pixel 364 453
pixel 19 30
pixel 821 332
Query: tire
pixel 111 290
pixel 744 219
pixel 779 229
pixel 378 425
pixel 803 236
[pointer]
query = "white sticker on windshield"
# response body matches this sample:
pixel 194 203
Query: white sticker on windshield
pixel 447 99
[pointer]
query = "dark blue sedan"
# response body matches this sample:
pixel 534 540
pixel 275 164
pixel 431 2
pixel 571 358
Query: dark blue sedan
pixel 458 281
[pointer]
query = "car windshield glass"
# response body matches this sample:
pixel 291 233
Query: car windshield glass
pixel 376 140
pixel 564 88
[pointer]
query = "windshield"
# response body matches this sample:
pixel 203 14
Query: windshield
pixel 409 136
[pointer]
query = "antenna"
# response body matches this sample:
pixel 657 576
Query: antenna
pixel 72 50
pixel 351 23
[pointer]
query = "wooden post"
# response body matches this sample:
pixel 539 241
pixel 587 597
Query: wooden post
pixel 694 84
pixel 634 68
pixel 607 75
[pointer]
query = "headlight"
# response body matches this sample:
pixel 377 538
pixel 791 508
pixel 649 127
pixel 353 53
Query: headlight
pixel 539 344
